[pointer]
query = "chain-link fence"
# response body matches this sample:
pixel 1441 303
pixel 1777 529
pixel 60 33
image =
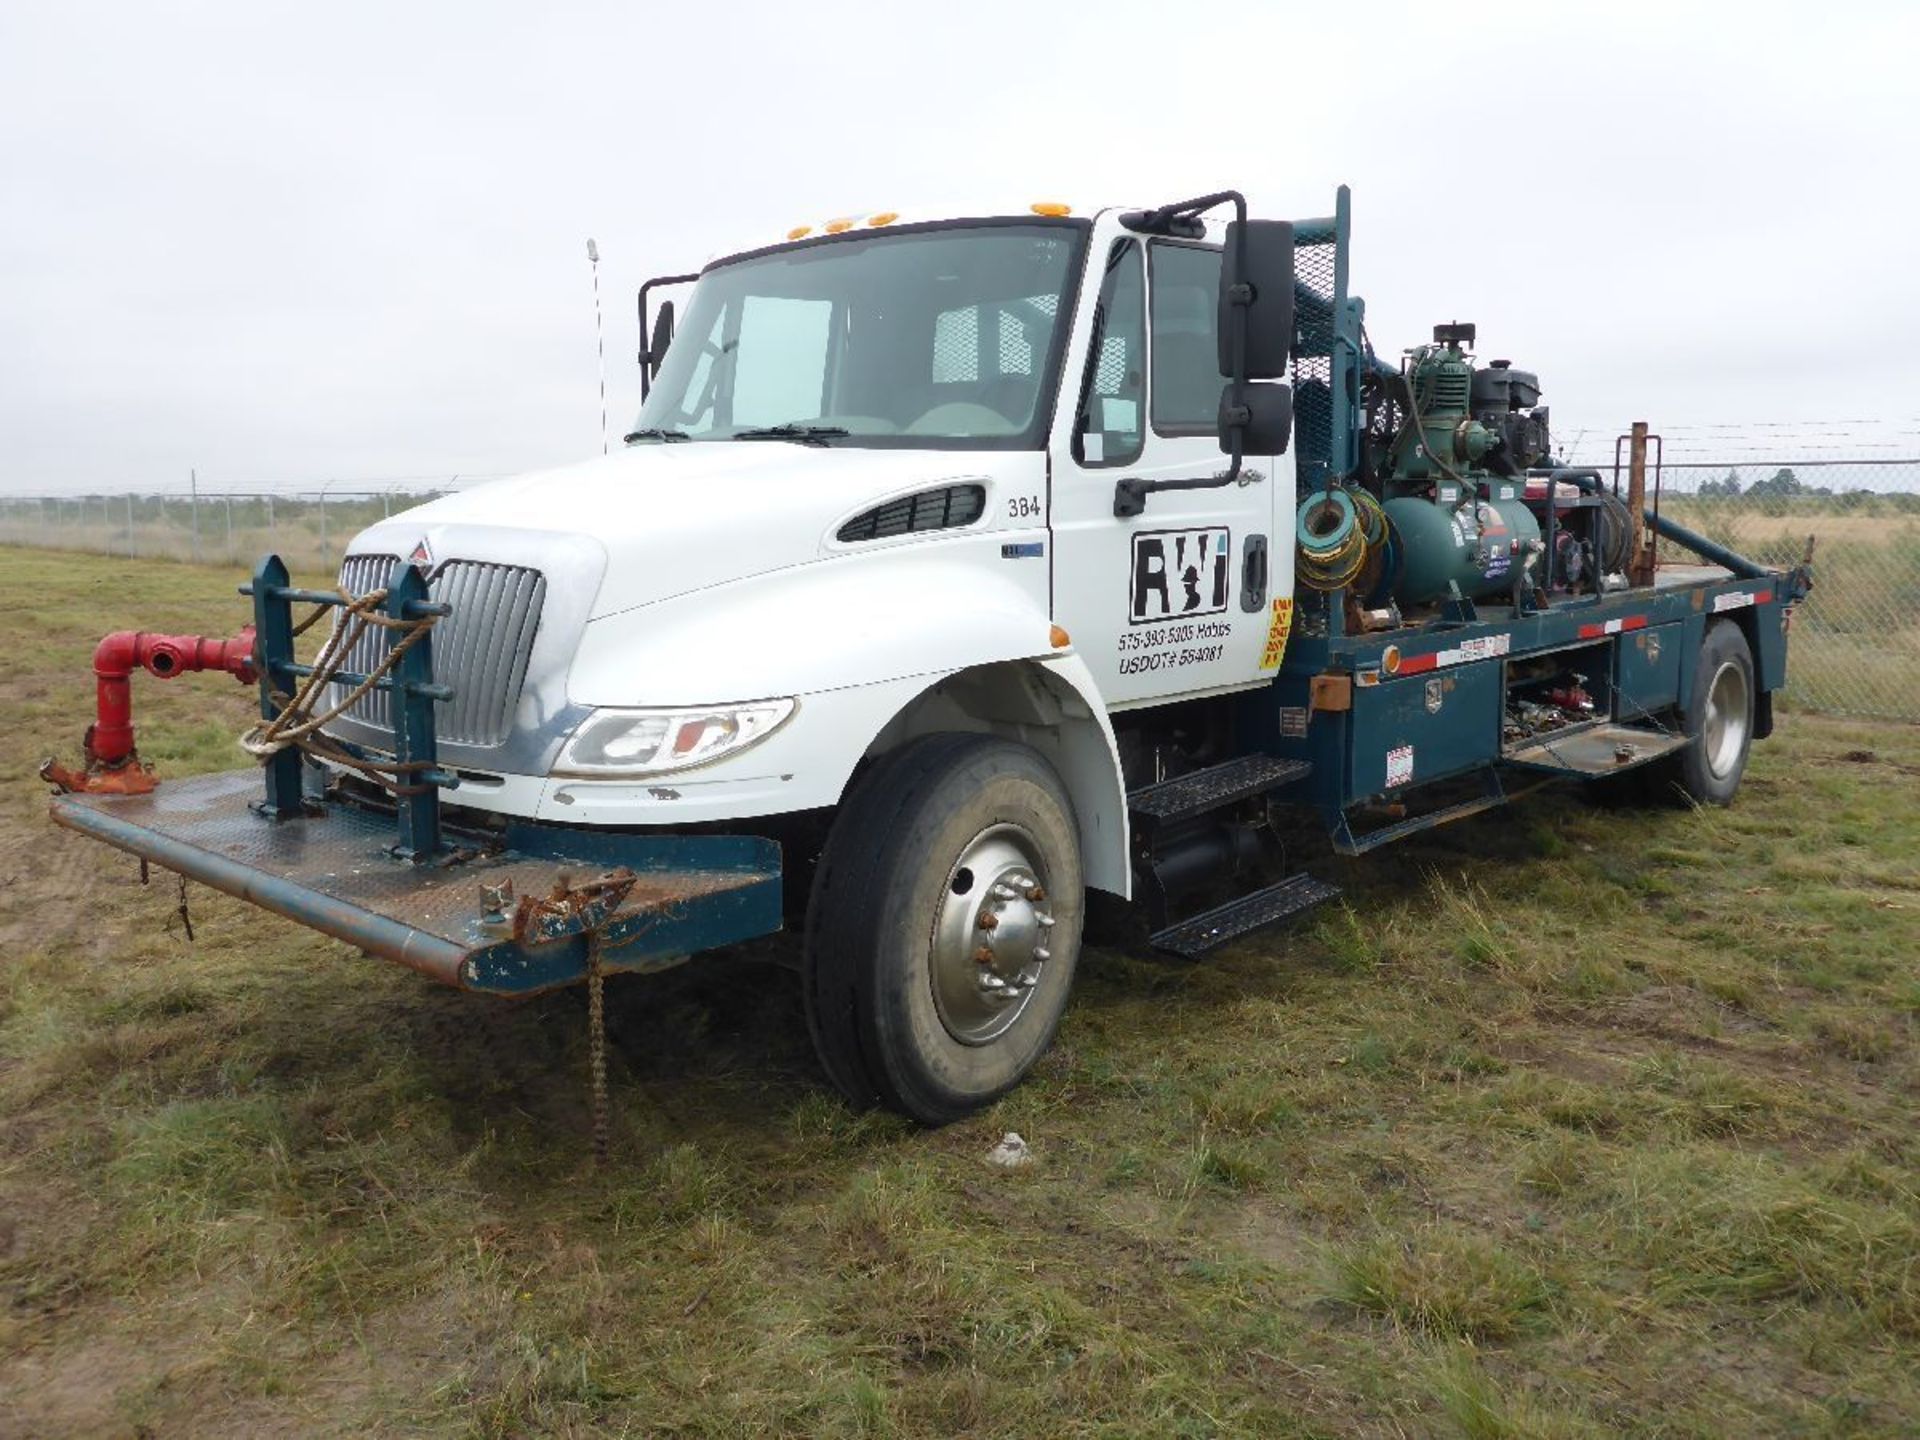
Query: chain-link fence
pixel 310 529
pixel 1855 647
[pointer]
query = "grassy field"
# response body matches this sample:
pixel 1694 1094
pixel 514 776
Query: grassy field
pixel 1574 1121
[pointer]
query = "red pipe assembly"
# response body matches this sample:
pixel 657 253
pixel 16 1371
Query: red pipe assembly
pixel 113 765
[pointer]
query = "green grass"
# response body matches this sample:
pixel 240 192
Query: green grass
pixel 1570 1121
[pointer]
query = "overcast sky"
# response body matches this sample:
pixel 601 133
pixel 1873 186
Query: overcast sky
pixel 282 242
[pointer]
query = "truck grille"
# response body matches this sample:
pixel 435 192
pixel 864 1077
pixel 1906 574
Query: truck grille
pixel 481 649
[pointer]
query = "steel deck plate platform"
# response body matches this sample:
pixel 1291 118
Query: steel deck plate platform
pixel 1596 750
pixel 333 871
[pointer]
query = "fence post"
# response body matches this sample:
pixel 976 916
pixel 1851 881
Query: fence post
pixel 229 527
pixel 130 525
pixel 193 503
pixel 273 531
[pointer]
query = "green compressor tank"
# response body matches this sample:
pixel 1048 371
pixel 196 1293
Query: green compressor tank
pixel 1479 545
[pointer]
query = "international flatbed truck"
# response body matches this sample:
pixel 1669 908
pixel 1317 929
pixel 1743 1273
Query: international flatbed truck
pixel 956 568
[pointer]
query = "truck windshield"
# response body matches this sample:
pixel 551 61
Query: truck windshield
pixel 939 338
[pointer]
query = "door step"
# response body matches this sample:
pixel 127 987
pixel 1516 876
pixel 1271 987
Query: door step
pixel 1207 932
pixel 1171 801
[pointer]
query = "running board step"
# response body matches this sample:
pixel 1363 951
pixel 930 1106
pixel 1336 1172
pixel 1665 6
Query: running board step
pixel 1186 796
pixel 1207 932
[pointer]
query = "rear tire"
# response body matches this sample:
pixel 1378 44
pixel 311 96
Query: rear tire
pixel 1719 717
pixel 952 848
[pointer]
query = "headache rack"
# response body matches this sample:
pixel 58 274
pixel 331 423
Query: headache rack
pixel 408 687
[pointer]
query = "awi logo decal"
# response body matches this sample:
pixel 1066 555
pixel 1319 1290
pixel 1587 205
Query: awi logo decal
pixel 1177 573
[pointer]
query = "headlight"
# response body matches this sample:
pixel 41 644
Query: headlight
pixel 619 743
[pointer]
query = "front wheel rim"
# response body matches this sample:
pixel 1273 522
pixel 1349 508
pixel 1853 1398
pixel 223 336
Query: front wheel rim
pixel 992 936
pixel 1729 715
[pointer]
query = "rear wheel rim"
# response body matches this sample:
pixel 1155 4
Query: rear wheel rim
pixel 1729 716
pixel 992 936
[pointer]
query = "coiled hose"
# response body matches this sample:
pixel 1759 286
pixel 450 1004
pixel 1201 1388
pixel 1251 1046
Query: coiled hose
pixel 1337 530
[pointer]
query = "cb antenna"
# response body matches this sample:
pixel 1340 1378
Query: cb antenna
pixel 599 338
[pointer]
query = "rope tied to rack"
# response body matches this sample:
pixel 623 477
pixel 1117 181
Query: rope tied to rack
pixel 297 725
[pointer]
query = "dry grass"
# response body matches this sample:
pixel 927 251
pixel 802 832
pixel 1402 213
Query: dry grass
pixel 1572 1121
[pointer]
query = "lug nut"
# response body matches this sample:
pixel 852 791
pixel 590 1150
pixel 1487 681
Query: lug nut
pixel 1045 922
pixel 1040 952
pixel 1036 894
pixel 988 920
pixel 983 956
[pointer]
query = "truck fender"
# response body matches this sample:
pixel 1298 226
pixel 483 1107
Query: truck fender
pixel 1052 704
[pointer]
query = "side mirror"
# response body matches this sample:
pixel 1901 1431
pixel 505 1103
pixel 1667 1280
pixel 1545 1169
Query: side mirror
pixel 1264 418
pixel 662 338
pixel 1259 257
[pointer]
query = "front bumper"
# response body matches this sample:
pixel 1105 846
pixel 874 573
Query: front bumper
pixel 333 871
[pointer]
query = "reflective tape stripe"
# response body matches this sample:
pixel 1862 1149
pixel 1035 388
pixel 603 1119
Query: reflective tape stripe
pixel 1612 627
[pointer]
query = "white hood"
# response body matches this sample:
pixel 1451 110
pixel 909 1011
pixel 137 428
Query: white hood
pixel 678 517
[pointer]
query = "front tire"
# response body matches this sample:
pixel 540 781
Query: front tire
pixel 944 926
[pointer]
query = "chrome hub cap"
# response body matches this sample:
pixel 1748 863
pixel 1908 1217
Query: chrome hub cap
pixel 1723 733
pixel 991 937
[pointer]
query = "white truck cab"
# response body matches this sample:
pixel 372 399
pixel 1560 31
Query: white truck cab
pixel 871 495
pixel 864 535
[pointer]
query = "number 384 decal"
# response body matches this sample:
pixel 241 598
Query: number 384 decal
pixel 1023 507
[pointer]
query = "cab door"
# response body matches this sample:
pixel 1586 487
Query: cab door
pixel 1175 601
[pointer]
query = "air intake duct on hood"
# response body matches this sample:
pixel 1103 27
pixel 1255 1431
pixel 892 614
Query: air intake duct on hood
pixel 946 508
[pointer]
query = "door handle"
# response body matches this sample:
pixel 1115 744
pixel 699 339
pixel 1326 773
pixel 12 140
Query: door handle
pixel 1253 574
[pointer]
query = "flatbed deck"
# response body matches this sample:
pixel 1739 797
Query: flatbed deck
pixel 334 869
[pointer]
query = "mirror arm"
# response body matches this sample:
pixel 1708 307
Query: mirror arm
pixel 646 351
pixel 1130 496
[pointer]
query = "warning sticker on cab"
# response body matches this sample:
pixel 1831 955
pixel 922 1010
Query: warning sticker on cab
pixel 1399 766
pixel 1278 628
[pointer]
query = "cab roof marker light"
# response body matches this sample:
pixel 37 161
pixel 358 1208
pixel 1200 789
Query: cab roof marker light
pixel 836 227
pixel 799 232
pixel 885 217
pixel 1052 208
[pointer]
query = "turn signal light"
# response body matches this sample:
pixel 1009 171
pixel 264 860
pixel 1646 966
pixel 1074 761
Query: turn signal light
pixel 1060 639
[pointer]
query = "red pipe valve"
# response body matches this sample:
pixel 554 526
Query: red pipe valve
pixel 113 765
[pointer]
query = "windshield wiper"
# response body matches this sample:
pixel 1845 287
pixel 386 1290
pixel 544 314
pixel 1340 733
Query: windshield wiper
pixel 654 432
pixel 792 430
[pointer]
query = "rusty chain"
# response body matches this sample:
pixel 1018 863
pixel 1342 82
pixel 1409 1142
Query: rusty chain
pixel 597 1046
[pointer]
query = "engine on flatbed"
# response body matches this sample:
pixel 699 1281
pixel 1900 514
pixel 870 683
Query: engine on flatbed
pixel 1456 459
